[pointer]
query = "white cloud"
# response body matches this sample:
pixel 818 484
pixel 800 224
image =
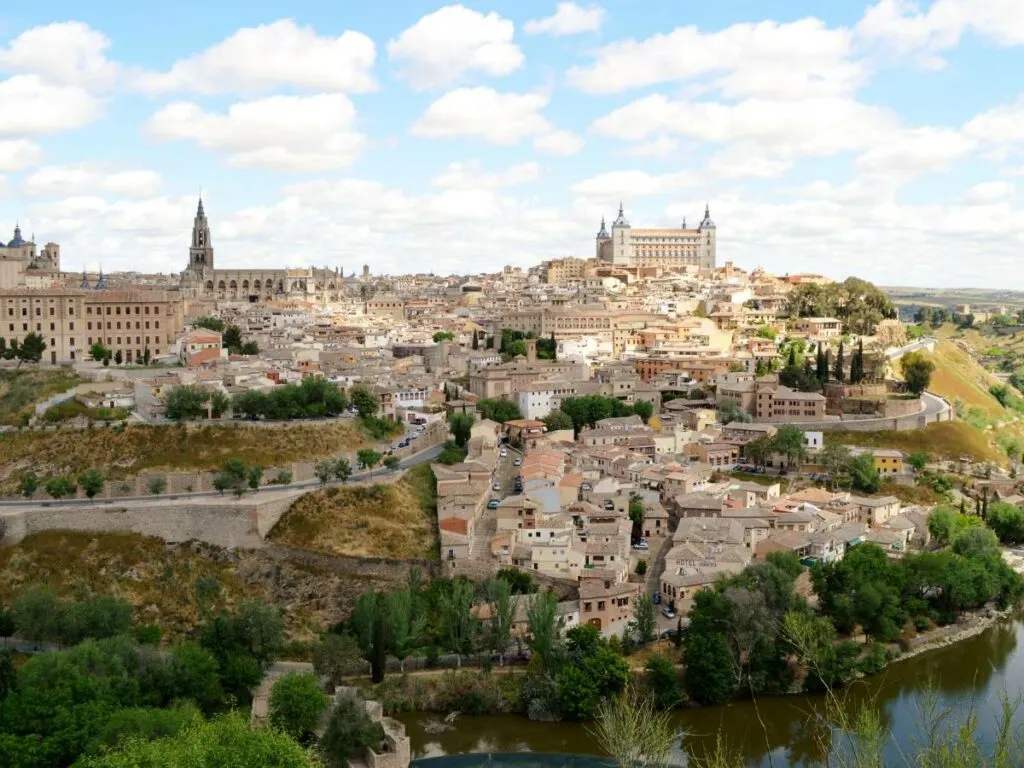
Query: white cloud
pixel 444 45
pixel 280 54
pixel 989 192
pixel 19 154
pixel 568 19
pixel 65 53
pixel 84 179
pixel 283 133
pixel 503 119
pixel 558 143
pixel 808 128
pixel 1001 127
pixel 916 151
pixel 31 106
pixel 469 175
pixel 662 146
pixel 768 59
pixel 746 162
pixel 632 184
pixel 907 30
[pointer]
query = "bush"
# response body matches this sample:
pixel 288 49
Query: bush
pixel 283 477
pixel 157 485
pixel 296 704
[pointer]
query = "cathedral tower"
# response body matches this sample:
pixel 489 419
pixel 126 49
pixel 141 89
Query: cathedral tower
pixel 200 254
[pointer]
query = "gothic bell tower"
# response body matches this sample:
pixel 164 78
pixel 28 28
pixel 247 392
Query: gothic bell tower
pixel 200 254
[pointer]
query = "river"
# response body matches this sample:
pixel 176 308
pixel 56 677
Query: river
pixel 973 672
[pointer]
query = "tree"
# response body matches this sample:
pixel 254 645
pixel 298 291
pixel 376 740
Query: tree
pixel 406 623
pixel 227 741
pixel 919 459
pixel 557 420
pixel 835 459
pixel 790 441
pixel 864 474
pixel 220 403
pixel 28 483
pixel 664 682
pixel 542 623
pixel 253 477
pixel 636 516
pixel 38 614
pixel 186 402
pixel 838 371
pixel 31 349
pixel 337 658
pixel 350 732
pixel 760 450
pixel 476 340
pixel 440 336
pixel 643 616
pixel 461 425
pixel 342 469
pixel 503 606
pixel 460 626
pixel 730 410
pixel 157 485
pixel 1007 521
pixel 499 410
pixel 232 338
pixel 857 364
pixel 370 626
pixel 91 482
pixel 641 567
pixel 324 471
pixel 391 463
pixel 98 352
pixel 917 371
pixel 644 409
pixel 118 357
pixel 210 323
pixel 235 477
pixel 821 366
pixel 59 487
pixel 364 400
pixel 296 704
pixel 369 458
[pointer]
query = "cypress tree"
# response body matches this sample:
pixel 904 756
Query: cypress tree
pixel 838 370
pixel 821 369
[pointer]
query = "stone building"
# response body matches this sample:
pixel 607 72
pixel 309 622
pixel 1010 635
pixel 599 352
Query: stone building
pixel 664 247
pixel 21 266
pixel 202 279
pixel 70 321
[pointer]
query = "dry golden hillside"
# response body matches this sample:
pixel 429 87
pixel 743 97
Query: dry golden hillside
pixel 158 579
pixel 948 439
pixel 124 453
pixel 394 521
pixel 21 389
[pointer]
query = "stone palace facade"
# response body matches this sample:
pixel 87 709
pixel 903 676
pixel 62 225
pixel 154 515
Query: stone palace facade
pixel 667 248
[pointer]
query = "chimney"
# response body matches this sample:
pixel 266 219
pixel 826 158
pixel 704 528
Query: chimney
pixel 531 350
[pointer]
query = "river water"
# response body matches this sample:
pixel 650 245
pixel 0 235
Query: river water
pixel 779 730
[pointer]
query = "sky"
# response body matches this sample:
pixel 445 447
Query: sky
pixel 884 140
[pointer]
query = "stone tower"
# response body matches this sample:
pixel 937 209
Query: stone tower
pixel 200 254
pixel 622 239
pixel 707 233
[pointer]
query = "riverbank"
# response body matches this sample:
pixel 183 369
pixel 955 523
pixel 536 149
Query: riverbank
pixel 969 626
pixel 968 673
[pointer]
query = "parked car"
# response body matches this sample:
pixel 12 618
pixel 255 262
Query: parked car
pixel 668 613
pixel 503 453
pixel 656 597
pixel 493 503
pixel 496 486
pixel 641 545
pixel 517 463
pixel 586 487
pixel 609 505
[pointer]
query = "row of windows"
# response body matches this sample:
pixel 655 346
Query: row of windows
pixel 127 310
pixel 127 326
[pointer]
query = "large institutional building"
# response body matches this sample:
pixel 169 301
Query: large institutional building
pixel 667 248
pixel 252 285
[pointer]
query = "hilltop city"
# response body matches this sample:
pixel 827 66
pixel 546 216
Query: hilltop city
pixel 617 445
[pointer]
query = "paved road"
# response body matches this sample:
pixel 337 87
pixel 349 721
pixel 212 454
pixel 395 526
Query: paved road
pixel 424 456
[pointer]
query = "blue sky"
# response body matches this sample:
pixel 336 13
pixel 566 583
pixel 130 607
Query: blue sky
pixel 880 139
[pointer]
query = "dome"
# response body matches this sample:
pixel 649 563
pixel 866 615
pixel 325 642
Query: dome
pixel 17 239
pixel 602 234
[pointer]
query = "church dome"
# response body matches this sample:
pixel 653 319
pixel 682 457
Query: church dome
pixel 17 239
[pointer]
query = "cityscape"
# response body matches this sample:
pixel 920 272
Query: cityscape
pixel 635 470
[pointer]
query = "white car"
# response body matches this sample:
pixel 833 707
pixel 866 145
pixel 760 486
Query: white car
pixel 496 486
pixel 503 453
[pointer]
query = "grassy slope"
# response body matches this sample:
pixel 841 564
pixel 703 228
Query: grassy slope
pixel 122 454
pixel 20 390
pixel 157 578
pixel 959 376
pixel 395 521
pixel 949 439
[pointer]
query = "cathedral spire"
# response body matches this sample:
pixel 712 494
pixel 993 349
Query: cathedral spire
pixel 101 283
pixel 85 279
pixel 200 213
